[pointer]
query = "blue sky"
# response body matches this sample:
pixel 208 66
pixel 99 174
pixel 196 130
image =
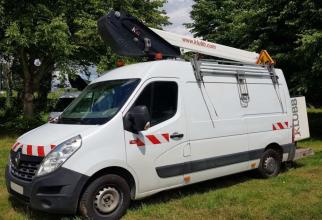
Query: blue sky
pixel 179 13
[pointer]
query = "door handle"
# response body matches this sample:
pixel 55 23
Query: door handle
pixel 176 136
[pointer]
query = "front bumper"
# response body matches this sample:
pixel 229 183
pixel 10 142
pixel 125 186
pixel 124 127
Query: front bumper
pixel 57 192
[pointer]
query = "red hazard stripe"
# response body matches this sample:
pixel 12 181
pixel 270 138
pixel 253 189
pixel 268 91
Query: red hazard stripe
pixel 41 151
pixel 280 125
pixel 166 136
pixel 153 139
pixel 52 146
pixel 15 146
pixel 274 128
pixel 29 150
pixel 286 123
pixel 139 143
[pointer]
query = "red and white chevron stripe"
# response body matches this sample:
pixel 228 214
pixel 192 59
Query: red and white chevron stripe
pixel 150 139
pixel 280 125
pixel 33 150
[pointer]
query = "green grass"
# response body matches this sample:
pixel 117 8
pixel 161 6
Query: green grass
pixel 295 194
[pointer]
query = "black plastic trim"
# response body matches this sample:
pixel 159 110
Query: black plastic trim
pixel 214 162
pixel 290 149
pixel 57 192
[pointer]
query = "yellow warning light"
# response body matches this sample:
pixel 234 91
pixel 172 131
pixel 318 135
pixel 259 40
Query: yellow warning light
pixel 265 58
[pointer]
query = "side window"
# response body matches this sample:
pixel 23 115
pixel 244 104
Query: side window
pixel 161 100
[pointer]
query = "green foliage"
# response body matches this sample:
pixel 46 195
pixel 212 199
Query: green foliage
pixel 62 34
pixel 12 121
pixel 20 125
pixel 290 30
pixel 67 30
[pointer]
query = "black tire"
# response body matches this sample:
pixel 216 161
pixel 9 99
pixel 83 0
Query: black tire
pixel 270 163
pixel 109 188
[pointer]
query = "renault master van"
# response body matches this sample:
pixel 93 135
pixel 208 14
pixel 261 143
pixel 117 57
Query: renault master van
pixel 148 127
pixel 152 126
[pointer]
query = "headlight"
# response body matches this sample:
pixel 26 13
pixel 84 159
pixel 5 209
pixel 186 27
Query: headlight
pixel 59 155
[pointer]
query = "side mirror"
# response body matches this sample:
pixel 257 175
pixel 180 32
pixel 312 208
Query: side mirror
pixel 137 119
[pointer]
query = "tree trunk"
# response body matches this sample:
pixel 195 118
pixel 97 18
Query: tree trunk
pixel 44 89
pixel 28 99
pixel 28 94
pixel 42 82
pixel 37 79
pixel 8 75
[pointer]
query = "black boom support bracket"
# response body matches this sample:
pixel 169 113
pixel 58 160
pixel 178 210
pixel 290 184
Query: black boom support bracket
pixel 127 36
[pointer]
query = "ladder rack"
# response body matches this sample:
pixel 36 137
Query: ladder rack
pixel 205 67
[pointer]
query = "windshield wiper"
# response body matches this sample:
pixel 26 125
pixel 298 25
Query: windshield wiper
pixel 69 120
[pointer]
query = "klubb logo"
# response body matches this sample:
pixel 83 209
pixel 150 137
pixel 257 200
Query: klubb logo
pixel 300 121
pixel 296 121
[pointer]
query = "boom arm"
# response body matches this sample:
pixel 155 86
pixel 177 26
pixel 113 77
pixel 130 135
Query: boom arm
pixel 208 48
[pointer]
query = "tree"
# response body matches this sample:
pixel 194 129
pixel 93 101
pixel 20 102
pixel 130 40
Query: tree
pixel 61 34
pixel 289 30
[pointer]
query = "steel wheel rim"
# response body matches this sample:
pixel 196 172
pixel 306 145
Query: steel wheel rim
pixel 107 200
pixel 270 165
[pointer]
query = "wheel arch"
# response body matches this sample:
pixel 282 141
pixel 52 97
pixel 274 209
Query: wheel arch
pixel 117 170
pixel 275 146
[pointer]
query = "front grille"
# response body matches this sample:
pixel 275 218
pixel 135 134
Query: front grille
pixel 25 170
pixel 23 166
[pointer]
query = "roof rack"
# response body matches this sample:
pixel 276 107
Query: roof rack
pixel 204 67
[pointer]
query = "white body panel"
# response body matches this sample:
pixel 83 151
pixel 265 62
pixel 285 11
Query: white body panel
pixel 215 126
pixel 268 106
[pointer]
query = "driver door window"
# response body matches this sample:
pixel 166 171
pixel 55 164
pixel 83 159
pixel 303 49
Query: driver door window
pixel 161 100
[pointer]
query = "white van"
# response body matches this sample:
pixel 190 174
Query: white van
pixel 148 127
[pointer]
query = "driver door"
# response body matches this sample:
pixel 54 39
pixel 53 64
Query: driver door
pixel 164 143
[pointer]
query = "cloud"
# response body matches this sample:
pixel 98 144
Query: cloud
pixel 179 13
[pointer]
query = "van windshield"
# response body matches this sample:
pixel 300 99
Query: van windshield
pixel 99 102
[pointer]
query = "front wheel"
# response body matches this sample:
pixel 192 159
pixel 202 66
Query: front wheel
pixel 270 163
pixel 106 198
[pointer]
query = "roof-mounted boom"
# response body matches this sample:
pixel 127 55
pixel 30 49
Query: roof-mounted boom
pixel 128 36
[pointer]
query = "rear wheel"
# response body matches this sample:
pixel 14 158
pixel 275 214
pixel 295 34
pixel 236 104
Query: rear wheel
pixel 107 197
pixel 270 163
